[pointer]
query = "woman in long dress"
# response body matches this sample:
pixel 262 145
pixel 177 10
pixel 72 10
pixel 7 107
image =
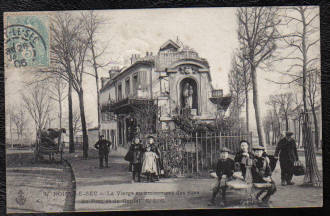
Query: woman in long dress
pixel 149 166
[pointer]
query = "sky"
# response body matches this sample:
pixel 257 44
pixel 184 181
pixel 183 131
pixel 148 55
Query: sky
pixel 212 32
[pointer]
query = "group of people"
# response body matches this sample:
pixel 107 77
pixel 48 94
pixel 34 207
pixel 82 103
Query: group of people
pixel 260 165
pixel 144 160
pixel 147 161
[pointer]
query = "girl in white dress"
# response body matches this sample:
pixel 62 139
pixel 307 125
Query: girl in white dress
pixel 149 166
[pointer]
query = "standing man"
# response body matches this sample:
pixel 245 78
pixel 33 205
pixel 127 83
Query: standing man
pixel 103 146
pixel 287 150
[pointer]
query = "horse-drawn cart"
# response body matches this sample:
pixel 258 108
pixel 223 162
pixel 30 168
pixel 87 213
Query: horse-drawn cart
pixel 49 142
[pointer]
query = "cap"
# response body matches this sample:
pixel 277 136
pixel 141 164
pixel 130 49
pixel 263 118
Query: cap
pixel 258 147
pixel 288 133
pixel 151 136
pixel 224 149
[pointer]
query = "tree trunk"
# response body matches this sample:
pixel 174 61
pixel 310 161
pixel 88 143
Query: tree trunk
pixel 97 91
pixel 312 175
pixel 83 124
pixel 71 140
pixel 256 105
pixel 317 141
pixel 286 123
pixel 299 135
pixel 60 114
pixel 247 108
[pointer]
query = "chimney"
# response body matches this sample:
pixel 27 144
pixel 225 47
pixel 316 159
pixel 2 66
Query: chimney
pixel 114 71
pixel 103 80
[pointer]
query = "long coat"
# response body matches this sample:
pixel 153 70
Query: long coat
pixel 260 169
pixel 243 161
pixel 287 150
pixel 103 147
pixel 136 153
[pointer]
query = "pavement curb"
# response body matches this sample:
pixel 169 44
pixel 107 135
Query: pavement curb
pixel 70 198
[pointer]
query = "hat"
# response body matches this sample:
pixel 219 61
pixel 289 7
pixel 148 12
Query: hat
pixel 288 133
pixel 258 147
pixel 151 136
pixel 224 149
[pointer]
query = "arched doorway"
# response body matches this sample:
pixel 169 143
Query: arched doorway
pixel 188 94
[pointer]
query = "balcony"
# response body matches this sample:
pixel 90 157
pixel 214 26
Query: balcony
pixel 221 101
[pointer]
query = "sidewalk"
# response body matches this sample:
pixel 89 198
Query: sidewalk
pixel 111 188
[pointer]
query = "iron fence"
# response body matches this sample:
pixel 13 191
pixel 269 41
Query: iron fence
pixel 197 152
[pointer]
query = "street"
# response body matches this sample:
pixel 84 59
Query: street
pixel 36 187
pixel 111 188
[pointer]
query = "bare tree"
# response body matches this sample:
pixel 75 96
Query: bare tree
pixel 57 92
pixel 276 122
pixel 69 48
pixel 76 121
pixel 91 24
pixel 236 86
pixel 267 124
pixel 313 96
pixel 20 121
pixel 240 78
pixel 38 104
pixel 302 22
pixel 9 116
pixel 285 104
pixel 257 32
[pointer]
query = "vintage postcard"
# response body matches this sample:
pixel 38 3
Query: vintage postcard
pixel 162 109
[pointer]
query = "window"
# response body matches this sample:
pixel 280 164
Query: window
pixel 135 82
pixel 113 132
pixel 108 134
pixel 120 93
pixel 127 87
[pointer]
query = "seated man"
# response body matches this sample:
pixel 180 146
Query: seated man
pixel 261 173
pixel 224 169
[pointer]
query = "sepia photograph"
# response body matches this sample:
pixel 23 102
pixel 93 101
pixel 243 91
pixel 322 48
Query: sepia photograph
pixel 163 109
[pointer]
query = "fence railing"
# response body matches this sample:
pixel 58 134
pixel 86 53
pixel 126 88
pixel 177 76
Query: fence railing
pixel 199 151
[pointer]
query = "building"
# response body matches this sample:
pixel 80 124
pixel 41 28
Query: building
pixel 174 79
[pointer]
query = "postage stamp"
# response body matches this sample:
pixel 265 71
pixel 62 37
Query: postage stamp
pixel 26 40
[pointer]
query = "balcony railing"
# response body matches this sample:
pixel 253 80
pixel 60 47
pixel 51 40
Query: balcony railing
pixel 217 93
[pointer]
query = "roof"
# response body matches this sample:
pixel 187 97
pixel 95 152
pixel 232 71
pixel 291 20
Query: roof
pixel 169 43
pixel 142 61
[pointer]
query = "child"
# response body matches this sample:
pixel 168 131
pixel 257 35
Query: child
pixel 224 169
pixel 136 158
pixel 149 166
pixel 242 157
pixel 261 173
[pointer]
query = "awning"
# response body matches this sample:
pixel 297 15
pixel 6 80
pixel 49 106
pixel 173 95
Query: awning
pixel 128 105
